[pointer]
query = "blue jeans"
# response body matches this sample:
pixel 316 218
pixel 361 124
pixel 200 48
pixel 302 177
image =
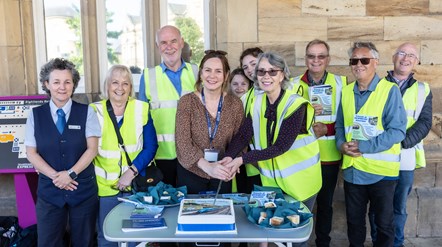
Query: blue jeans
pixel 107 203
pixel 403 189
pixel 380 196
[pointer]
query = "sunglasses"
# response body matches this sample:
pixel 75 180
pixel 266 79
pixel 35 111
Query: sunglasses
pixel 364 61
pixel 217 52
pixel 319 57
pixel 271 72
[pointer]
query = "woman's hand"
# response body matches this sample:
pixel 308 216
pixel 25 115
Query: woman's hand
pixel 234 166
pixel 63 181
pixel 125 180
pixel 215 169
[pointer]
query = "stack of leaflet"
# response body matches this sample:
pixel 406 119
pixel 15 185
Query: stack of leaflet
pixel 144 218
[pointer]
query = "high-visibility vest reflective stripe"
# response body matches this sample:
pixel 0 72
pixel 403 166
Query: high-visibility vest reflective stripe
pixel 414 99
pixel 247 99
pixel 163 99
pixel 297 172
pixel 384 163
pixel 110 155
pixel 327 144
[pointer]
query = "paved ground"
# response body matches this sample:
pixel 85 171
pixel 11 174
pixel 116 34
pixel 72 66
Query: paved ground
pixel 409 242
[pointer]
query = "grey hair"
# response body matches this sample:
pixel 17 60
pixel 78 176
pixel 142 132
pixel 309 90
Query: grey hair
pixel 58 64
pixel 368 45
pixel 275 60
pixel 125 71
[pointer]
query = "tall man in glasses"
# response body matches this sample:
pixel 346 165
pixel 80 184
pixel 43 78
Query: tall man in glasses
pixel 162 86
pixel 417 98
pixel 370 124
pixel 323 89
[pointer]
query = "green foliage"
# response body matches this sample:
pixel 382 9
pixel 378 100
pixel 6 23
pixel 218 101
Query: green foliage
pixel 192 35
pixel 74 24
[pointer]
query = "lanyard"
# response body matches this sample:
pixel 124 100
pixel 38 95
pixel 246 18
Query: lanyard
pixel 218 116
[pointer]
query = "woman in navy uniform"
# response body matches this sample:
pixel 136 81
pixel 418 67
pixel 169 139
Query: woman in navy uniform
pixel 61 141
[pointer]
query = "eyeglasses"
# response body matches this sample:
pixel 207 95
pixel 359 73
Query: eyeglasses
pixel 319 57
pixel 271 72
pixel 403 54
pixel 218 52
pixel 364 60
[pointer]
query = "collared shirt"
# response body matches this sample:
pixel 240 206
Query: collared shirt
pixel 403 84
pixel 309 80
pixel 394 121
pixel 174 77
pixel 92 125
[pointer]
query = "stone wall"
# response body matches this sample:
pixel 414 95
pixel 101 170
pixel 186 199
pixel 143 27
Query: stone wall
pixel 286 26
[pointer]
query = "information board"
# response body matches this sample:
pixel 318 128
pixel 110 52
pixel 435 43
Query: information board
pixel 14 111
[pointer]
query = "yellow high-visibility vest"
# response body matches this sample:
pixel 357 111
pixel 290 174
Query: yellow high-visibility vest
pixel 163 99
pixel 384 163
pixel 110 155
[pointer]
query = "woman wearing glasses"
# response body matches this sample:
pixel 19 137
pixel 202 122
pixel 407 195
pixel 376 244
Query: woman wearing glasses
pixel 279 122
pixel 206 120
pixel 114 175
pixel 61 141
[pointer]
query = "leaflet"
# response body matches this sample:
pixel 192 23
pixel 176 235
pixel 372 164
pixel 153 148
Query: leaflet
pixel 364 127
pixel 322 95
pixel 132 225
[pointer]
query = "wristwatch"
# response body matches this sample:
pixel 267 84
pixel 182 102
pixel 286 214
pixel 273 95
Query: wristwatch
pixel 72 174
pixel 134 171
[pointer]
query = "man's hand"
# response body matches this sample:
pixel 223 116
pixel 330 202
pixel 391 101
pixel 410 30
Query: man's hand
pixel 351 149
pixel 320 129
pixel 318 109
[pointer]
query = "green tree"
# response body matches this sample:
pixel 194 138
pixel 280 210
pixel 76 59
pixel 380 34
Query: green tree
pixel 74 24
pixel 192 35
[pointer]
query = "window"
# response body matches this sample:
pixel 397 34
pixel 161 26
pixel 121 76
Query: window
pixel 189 16
pixel 125 34
pixel 59 34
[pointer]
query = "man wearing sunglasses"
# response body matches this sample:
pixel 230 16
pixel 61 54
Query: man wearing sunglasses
pixel 417 98
pixel 370 124
pixel 323 90
pixel 162 86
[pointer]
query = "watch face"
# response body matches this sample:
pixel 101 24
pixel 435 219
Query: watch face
pixel 72 174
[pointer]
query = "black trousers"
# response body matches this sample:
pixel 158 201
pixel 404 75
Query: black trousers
pixel 380 195
pixel 53 221
pixel 169 170
pixel 324 205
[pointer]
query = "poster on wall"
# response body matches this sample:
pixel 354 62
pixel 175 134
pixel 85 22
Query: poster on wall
pixel 14 111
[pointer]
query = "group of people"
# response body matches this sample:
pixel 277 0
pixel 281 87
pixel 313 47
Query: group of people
pixel 254 125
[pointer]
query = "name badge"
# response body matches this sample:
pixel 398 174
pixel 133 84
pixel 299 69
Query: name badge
pixel 74 127
pixel 211 155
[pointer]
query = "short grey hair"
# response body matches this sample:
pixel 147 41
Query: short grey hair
pixel 275 60
pixel 125 71
pixel 369 45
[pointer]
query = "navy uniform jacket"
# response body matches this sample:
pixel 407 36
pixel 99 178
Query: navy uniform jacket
pixel 62 151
